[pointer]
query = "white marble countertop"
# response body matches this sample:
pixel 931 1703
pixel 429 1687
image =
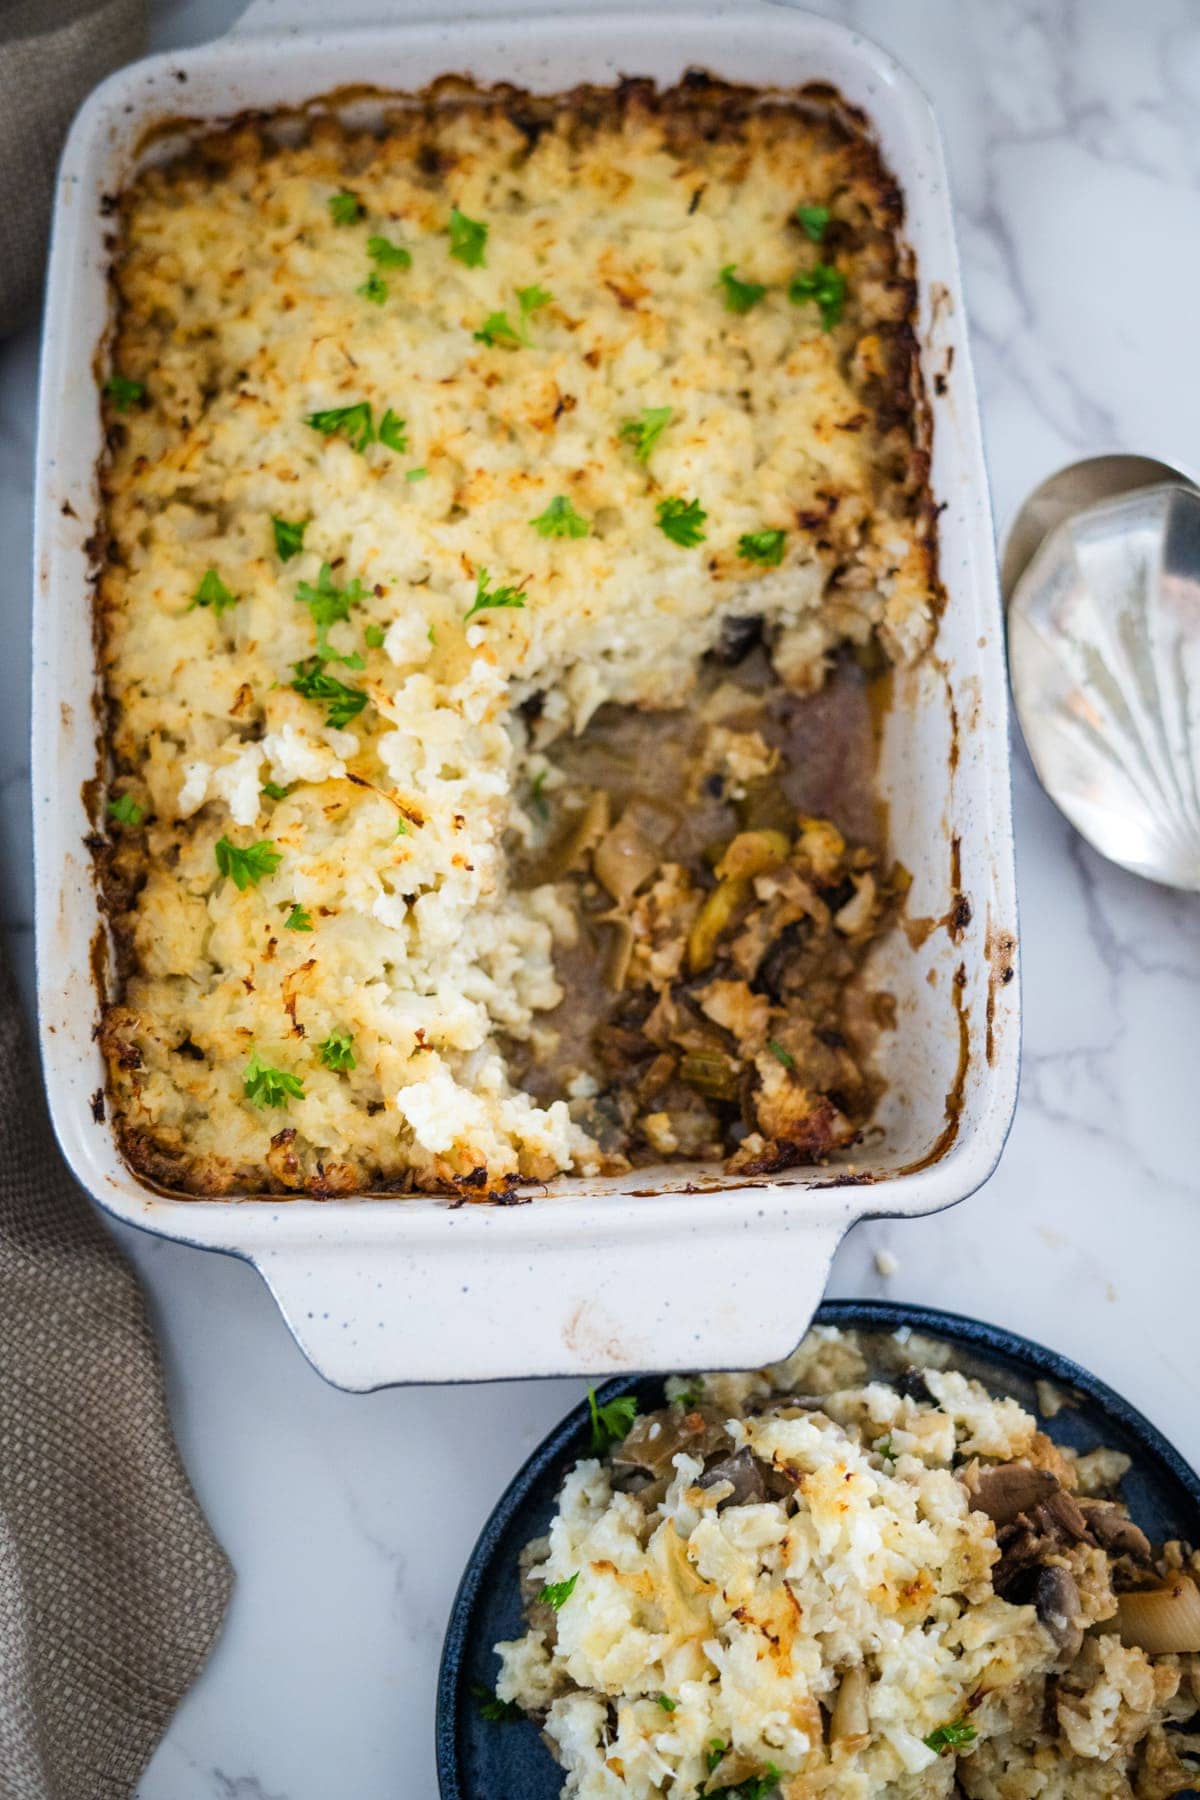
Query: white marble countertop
pixel 1076 168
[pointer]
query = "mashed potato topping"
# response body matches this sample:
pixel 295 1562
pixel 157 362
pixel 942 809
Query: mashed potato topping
pixel 425 443
pixel 791 1585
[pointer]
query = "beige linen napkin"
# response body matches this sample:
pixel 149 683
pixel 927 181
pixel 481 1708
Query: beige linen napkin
pixel 112 1587
pixel 52 53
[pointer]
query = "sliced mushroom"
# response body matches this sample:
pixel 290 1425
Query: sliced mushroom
pixel 629 854
pixel 573 845
pixel 1056 1598
pixel 1161 1620
pixel 1114 1532
pixel 1007 1490
pixel 745 1472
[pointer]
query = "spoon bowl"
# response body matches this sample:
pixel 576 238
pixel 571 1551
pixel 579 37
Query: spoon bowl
pixel 1104 658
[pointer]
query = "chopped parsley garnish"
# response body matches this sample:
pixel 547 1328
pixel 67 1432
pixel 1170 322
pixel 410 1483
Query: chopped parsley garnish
pixel 337 1051
pixel 329 605
pixel 814 219
pixel 125 810
pixel 536 795
pixel 374 288
pixel 825 285
pixel 713 1754
pixel 274 791
pixel 492 1708
pixel 765 547
pixel 886 1449
pixel 416 474
pixel 123 392
pixel 644 432
pixel 486 599
pixel 557 1593
pixel 740 296
pixel 468 239
pixel 354 423
pixel 531 300
pixel 402 828
pixel 611 1422
pixel 345 208
pixel 757 1787
pixel 299 919
pixel 270 1087
pixel 381 250
pixel 246 868
pixel 311 679
pixel 666 1702
pixel 780 1054
pixel 498 331
pixel 213 592
pixel 391 431
pixel 951 1737
pixel 680 520
pixel 690 1397
pixel 375 635
pixel 289 536
pixel 561 520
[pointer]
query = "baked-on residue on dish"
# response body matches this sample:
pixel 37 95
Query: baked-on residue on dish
pixel 856 1574
pixel 425 443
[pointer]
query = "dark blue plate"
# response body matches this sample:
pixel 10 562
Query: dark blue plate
pixel 478 1760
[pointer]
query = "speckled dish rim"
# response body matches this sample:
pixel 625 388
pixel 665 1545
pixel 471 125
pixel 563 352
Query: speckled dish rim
pixel 568 1440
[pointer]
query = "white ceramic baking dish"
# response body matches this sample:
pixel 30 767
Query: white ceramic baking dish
pixel 668 1268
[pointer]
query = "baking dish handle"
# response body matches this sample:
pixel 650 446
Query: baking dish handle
pixel 370 1315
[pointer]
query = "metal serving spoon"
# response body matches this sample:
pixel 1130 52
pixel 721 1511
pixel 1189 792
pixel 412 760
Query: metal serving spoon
pixel 1101 576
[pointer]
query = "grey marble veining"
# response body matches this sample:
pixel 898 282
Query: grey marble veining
pixel 1070 126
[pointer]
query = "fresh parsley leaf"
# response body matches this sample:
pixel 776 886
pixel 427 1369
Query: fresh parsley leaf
pixel 715 1751
pixel 270 1087
pixel 557 1593
pixel 125 810
pixel 492 1708
pixel 680 520
pixel 337 1051
pixel 274 791
pixel 499 332
pixel 375 635
pixel 951 1737
pixel 532 299
pixel 644 432
pixel 289 536
pixel 814 219
pixel 666 1702
pixel 825 285
pixel 486 599
pixel 561 520
pixel 416 474
pixel 740 296
pixel 612 1422
pixel 311 679
pixel 246 868
pixel 780 1054
pixel 391 431
pixel 374 289
pixel 213 592
pixel 354 423
pixel 123 392
pixel 757 1787
pixel 299 919
pixel 329 605
pixel 345 208
pixel 381 250
pixel 468 239
pixel 765 547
